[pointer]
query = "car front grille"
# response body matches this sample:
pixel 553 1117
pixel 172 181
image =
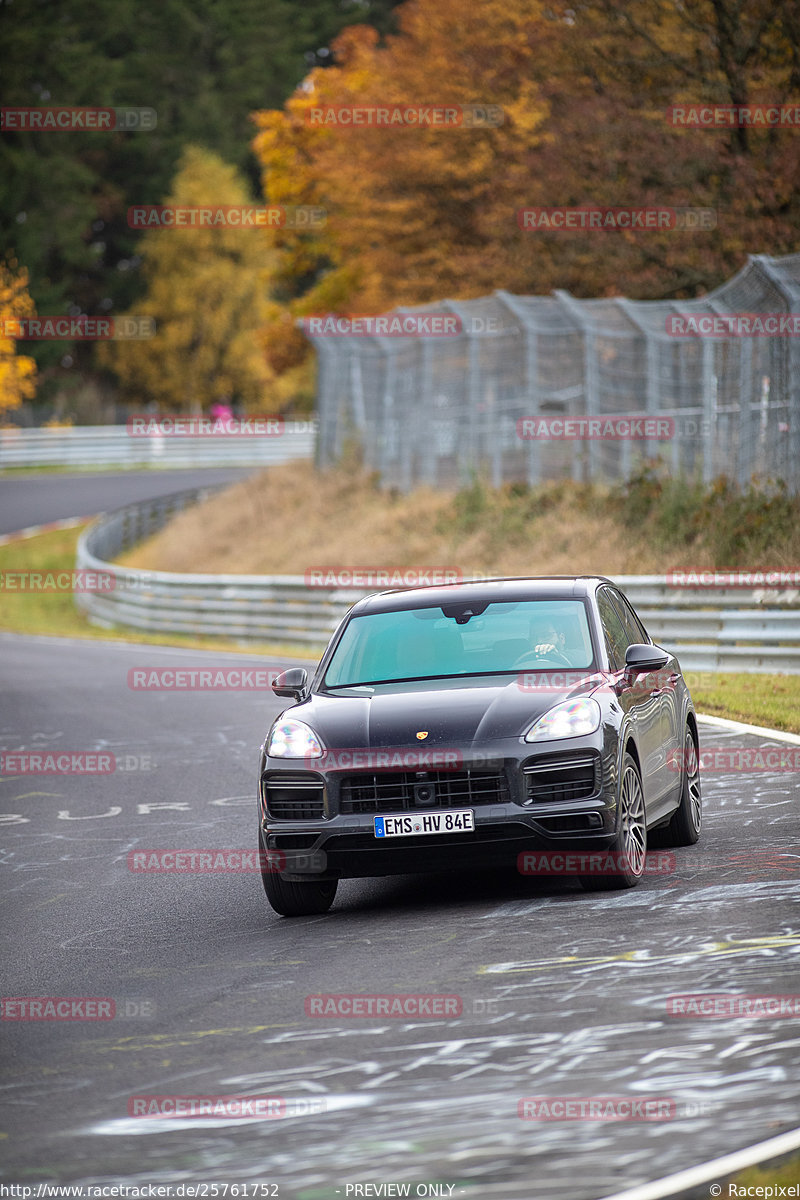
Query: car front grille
pixel 294 799
pixel 570 778
pixel 400 791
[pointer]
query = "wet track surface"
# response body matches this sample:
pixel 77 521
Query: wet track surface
pixel 564 993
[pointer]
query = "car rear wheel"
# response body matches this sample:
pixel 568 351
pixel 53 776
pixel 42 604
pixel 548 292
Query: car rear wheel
pixel 626 856
pixel 308 898
pixel 684 826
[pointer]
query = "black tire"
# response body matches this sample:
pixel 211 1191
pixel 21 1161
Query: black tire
pixel 299 899
pixel 306 899
pixel 629 848
pixel 684 826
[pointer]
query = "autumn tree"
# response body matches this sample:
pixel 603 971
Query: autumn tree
pixel 17 371
pixel 416 215
pixel 207 289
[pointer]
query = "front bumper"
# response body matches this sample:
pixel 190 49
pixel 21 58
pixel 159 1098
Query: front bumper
pixel 524 797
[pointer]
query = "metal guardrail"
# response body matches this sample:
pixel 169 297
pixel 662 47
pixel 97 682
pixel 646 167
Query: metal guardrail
pixel 720 629
pixel 113 445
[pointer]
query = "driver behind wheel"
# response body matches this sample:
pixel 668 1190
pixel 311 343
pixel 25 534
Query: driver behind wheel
pixel 548 639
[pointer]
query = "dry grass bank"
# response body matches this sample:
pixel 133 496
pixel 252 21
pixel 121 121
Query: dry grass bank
pixel 291 518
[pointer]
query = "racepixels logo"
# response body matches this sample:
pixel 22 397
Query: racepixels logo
pixel 734 116
pixel 722 1004
pixel 590 862
pixel 255 1107
pixel 381 577
pixel 205 427
pixel 612 428
pixel 71 120
pixel 77 329
pixel 728 325
pixel 395 1005
pixel 202 679
pixel 226 216
pixel 405 116
pixel 596 1108
pixel 416 325
pixel 567 219
pixel 739 759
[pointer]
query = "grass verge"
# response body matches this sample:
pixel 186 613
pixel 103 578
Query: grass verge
pixel 55 614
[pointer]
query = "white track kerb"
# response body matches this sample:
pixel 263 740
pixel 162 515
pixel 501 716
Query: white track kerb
pixel 718 1168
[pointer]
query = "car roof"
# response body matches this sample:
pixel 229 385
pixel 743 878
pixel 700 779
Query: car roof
pixel 549 587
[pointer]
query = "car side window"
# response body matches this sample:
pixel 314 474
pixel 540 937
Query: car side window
pixel 613 629
pixel 633 627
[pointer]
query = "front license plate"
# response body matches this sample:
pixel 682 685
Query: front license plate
pixel 405 825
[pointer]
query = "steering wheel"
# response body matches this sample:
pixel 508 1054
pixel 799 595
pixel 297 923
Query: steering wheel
pixel 534 660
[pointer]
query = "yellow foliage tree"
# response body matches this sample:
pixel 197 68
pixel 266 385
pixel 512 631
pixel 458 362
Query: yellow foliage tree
pixel 17 371
pixel 207 293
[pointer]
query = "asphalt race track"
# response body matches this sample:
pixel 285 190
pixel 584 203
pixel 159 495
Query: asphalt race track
pixel 36 499
pixel 564 993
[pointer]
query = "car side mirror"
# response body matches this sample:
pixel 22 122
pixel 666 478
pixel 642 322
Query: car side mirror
pixel 291 683
pixel 641 657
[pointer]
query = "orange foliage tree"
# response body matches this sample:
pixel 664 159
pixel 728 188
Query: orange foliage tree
pixel 17 371
pixel 419 214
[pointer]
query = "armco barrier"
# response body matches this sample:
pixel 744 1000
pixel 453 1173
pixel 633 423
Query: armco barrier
pixel 113 445
pixel 710 629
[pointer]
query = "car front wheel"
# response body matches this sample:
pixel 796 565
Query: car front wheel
pixel 308 898
pixel 625 858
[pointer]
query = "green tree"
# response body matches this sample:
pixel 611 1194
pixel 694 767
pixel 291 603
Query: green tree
pixel 203 65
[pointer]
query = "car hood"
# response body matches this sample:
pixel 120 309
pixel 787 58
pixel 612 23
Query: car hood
pixel 453 712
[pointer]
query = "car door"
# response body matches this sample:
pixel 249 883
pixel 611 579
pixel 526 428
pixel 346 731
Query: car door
pixel 640 700
pixel 668 680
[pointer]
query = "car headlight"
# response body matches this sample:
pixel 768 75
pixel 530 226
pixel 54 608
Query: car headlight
pixel 294 739
pixel 572 718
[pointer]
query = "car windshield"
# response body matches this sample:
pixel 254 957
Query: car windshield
pixel 461 639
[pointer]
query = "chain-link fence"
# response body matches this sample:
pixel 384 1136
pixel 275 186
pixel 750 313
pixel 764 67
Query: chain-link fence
pixel 703 384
